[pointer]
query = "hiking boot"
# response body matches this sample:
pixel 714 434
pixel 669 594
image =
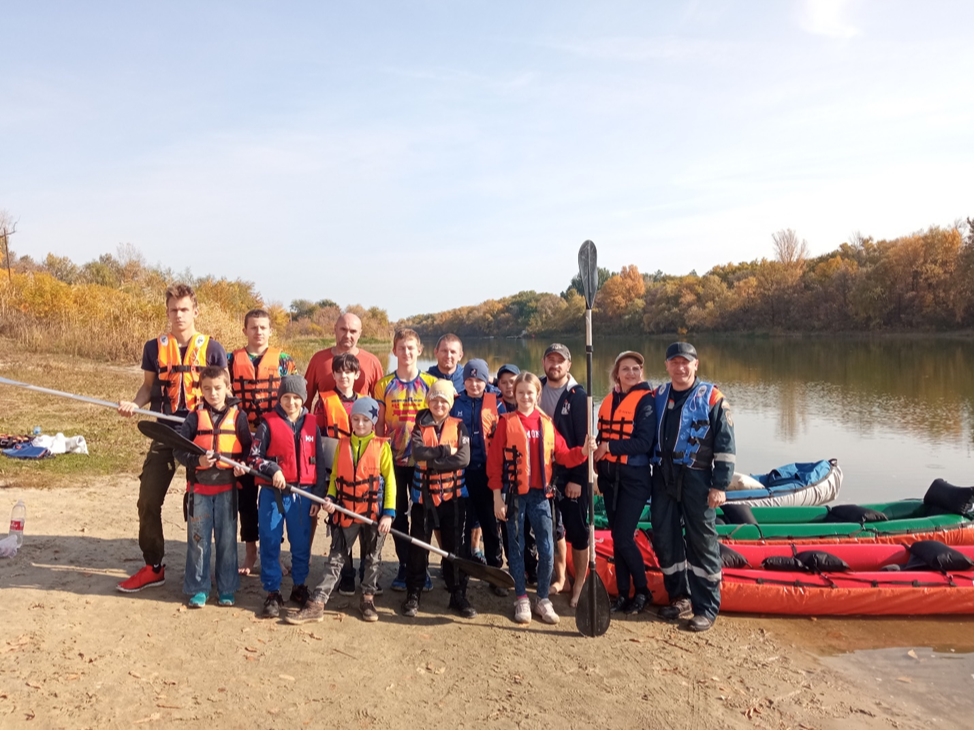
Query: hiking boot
pixel 367 608
pixel 700 623
pixel 197 600
pixel 460 604
pixel 272 605
pixel 346 587
pixel 226 600
pixel 410 607
pixel 399 583
pixel 638 603
pixel 499 590
pixel 300 594
pixel 680 609
pixel 544 609
pixel 143 579
pixel 621 604
pixel 312 612
pixel 522 611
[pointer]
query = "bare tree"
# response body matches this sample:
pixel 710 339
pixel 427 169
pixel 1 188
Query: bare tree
pixel 788 249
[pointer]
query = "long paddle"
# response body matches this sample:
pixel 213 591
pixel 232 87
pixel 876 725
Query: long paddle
pixel 88 399
pixel 593 612
pixel 497 577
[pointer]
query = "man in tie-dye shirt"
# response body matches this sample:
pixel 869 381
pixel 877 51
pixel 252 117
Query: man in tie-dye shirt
pixel 401 395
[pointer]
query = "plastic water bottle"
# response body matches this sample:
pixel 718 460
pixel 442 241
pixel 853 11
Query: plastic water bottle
pixel 37 431
pixel 17 519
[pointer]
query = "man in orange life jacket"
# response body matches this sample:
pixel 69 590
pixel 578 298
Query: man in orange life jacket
pixel 693 464
pixel 255 373
pixel 171 367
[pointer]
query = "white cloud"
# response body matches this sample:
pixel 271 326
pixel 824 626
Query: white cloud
pixel 827 18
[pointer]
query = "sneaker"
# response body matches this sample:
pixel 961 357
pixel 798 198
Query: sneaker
pixel 143 579
pixel 410 607
pixel 272 605
pixel 367 608
pixel 226 600
pixel 346 587
pixel 680 609
pixel 399 583
pixel 311 612
pixel 522 611
pixel 544 609
pixel 700 623
pixel 499 590
pixel 428 586
pixel 460 604
pixel 621 604
pixel 300 594
pixel 638 603
pixel 479 557
pixel 197 600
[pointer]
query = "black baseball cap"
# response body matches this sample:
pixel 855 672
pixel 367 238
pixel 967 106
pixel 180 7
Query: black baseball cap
pixel 681 350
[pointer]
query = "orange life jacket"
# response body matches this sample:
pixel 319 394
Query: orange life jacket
pixel 333 419
pixel 297 465
pixel 517 461
pixel 222 439
pixel 180 378
pixel 442 485
pixel 489 418
pixel 256 389
pixel 359 486
pixel 618 424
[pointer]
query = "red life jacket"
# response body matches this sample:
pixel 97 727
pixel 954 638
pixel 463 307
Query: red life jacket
pixel 298 469
pixel 618 424
pixel 257 390
pixel 358 486
pixel 442 485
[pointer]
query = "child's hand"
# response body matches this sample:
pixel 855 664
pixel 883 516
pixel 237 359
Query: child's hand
pixel 500 508
pixel 453 450
pixel 385 525
pixel 278 480
pixel 313 512
pixel 329 506
pixel 208 459
pixel 589 446
pixel 239 471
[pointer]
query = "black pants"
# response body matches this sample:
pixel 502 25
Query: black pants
pixel 157 473
pixel 626 490
pixel 247 507
pixel 573 519
pixel 481 504
pixel 450 515
pixel 404 481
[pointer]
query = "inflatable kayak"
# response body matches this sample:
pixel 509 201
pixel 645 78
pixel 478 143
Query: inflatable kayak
pixel 838 579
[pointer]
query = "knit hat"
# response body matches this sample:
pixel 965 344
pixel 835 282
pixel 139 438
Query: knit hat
pixel 508 368
pixel 443 388
pixel 476 368
pixel 558 348
pixel 293 384
pixel 681 350
pixel 366 407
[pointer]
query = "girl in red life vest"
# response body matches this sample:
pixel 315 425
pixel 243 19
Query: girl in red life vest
pixel 519 467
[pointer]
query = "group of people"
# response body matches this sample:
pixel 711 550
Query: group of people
pixel 494 468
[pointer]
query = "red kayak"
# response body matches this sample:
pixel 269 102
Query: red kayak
pixel 860 587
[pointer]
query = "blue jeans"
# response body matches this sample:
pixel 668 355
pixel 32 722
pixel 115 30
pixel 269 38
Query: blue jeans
pixel 270 527
pixel 213 515
pixel 538 510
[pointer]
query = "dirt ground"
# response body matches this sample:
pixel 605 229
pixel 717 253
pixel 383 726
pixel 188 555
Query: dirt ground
pixel 76 653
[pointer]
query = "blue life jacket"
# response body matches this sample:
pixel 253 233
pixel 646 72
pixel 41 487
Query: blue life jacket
pixel 694 440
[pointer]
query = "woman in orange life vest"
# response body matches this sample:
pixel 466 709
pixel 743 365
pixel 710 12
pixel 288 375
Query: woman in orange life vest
pixel 627 435
pixel 519 465
pixel 441 448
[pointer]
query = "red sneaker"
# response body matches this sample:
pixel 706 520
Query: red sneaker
pixel 142 579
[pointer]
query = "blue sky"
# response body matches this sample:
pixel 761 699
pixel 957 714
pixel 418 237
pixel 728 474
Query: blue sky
pixel 350 150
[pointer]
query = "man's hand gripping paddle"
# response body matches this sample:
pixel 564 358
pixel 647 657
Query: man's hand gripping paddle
pixel 592 614
pixel 166 435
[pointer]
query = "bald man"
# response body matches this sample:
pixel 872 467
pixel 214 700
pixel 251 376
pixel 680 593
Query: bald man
pixel 348 329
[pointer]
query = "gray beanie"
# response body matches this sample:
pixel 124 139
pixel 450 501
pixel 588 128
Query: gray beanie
pixel 366 407
pixel 293 384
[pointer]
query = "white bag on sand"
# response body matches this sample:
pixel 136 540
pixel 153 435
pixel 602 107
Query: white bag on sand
pixel 59 444
pixel 8 547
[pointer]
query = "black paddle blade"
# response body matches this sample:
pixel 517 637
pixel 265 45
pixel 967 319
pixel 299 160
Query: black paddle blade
pixel 495 576
pixel 169 436
pixel 588 270
pixel 591 619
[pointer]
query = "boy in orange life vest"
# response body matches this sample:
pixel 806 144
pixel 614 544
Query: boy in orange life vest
pixel 171 368
pixel 519 467
pixel 255 373
pixel 287 449
pixel 218 426
pixel 441 448
pixel 363 481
